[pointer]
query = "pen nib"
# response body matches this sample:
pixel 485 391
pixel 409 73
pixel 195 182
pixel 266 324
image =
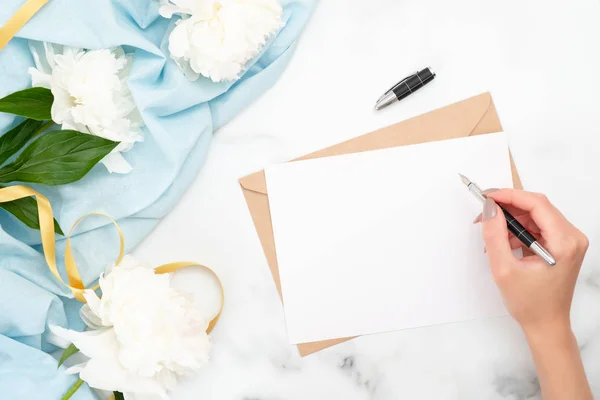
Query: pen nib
pixel 464 179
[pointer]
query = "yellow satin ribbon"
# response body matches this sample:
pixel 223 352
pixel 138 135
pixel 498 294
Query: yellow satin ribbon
pixel 172 267
pixel 46 219
pixel 19 19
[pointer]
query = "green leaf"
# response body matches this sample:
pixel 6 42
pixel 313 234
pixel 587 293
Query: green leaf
pixel 27 212
pixel 69 351
pixel 72 390
pixel 13 140
pixel 57 158
pixel 118 396
pixel 34 103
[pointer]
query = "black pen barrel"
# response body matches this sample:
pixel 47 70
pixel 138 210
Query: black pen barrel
pixel 413 83
pixel 517 229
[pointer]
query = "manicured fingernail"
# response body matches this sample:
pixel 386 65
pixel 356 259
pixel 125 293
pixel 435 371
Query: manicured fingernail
pixel 477 220
pixel 489 209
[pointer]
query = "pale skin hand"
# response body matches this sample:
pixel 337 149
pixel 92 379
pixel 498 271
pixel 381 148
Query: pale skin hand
pixel 536 295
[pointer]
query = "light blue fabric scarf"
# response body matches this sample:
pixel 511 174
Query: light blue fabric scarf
pixel 180 118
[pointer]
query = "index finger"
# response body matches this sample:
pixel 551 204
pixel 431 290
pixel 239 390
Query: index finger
pixel 544 214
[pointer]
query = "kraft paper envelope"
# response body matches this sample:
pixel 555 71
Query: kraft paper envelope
pixel 474 116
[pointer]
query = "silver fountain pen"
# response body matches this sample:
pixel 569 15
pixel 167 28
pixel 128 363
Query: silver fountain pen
pixel 513 225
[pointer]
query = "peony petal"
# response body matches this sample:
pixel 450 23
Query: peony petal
pixel 76 369
pixel 179 43
pixel 119 54
pixel 37 59
pixel 42 73
pixel 52 51
pixel 60 106
pixel 90 318
pixel 137 121
pixel 71 53
pixel 114 162
pixel 130 262
pixel 108 374
pixel 93 301
pixel 107 271
pixel 74 127
pixel 181 7
pixel 168 10
pixel 39 79
pixel 94 344
pixel 103 370
pixel 57 340
pixel 187 70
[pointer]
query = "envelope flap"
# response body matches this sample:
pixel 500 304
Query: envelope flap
pixel 456 120
pixel 489 121
pixel 255 182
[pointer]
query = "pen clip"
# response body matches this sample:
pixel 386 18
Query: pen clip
pixel 398 84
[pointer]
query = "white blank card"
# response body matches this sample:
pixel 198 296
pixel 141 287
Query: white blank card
pixel 383 240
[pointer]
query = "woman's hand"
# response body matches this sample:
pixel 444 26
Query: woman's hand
pixel 537 295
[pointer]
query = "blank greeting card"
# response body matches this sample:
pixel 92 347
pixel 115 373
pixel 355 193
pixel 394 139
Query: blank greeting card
pixel 383 240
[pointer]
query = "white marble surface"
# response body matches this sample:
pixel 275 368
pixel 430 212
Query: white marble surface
pixel 541 62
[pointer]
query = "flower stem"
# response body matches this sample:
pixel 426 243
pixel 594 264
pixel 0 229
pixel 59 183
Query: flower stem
pixel 43 128
pixel 72 390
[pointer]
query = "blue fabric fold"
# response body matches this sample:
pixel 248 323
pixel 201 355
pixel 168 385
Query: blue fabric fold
pixel 180 116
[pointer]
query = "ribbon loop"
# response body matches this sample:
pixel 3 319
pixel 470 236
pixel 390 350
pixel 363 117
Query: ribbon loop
pixel 46 219
pixel 72 271
pixel 75 285
pixel 172 267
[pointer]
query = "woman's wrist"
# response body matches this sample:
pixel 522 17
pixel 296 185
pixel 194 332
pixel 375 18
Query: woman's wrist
pixel 558 362
pixel 555 334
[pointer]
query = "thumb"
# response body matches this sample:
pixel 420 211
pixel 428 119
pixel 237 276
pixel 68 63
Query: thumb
pixel 495 235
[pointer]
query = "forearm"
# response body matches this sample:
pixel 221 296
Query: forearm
pixel 558 363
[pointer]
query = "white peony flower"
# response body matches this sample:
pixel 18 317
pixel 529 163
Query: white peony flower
pixel 145 333
pixel 216 38
pixel 91 95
